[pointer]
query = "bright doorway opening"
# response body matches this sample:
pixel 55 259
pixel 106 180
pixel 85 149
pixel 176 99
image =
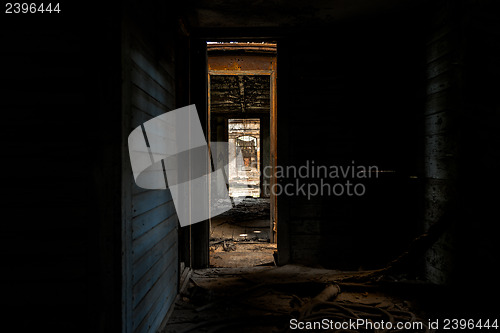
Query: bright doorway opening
pixel 242 111
pixel 244 173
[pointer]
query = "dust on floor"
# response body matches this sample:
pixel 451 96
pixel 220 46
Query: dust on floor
pixel 241 254
pixel 240 237
pixel 266 299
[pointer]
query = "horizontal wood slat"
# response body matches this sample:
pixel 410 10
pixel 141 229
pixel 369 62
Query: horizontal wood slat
pixel 145 201
pixel 147 241
pixel 164 252
pixel 153 220
pixel 147 221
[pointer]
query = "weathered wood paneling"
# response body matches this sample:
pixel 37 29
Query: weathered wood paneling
pixel 146 262
pixel 143 244
pixel 145 222
pixel 442 110
pixel 153 225
pixel 148 200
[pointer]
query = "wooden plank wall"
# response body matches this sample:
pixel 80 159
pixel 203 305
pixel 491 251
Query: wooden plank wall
pixel 442 109
pixel 151 224
pixel 461 140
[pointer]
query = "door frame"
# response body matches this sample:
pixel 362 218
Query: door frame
pixel 217 69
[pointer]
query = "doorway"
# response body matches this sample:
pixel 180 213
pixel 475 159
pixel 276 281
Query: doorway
pixel 242 112
pixel 244 173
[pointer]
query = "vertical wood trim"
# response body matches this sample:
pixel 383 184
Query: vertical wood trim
pixel 198 96
pixel 274 155
pixel 218 68
pixel 271 72
pixel 283 235
pixel 209 139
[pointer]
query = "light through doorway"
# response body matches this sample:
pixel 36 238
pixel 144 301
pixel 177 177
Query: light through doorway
pixel 244 173
pixel 242 112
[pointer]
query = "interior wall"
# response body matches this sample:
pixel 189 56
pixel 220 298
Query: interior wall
pixel 150 223
pixel 352 92
pixel 461 132
pixel 197 95
pixel 444 76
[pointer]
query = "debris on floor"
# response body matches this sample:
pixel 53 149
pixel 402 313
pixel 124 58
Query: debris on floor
pixel 246 208
pixel 240 237
pixel 241 254
pixel 273 299
pixel 252 230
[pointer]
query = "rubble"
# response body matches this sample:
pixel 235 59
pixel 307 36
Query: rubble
pixel 269 299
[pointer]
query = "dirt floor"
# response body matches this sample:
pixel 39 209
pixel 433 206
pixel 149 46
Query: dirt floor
pixel 240 237
pixel 244 291
pixel 241 254
pixel 266 299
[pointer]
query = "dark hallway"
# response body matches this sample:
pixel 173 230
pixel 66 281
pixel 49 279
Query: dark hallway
pixel 355 144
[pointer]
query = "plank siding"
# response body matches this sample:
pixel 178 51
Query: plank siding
pixel 153 223
pixel 441 145
pixel 144 284
pixel 159 305
pixel 143 264
pixel 147 84
pixel 160 289
pixel 146 104
pixel 144 243
pixel 145 201
pixel 147 221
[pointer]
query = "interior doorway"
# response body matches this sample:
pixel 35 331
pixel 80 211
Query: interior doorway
pixel 242 112
pixel 244 173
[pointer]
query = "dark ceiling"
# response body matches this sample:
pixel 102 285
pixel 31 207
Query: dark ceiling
pixel 287 13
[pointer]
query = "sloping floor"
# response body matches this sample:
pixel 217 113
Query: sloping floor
pixel 266 299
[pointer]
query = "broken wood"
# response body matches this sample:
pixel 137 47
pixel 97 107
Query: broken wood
pixel 330 292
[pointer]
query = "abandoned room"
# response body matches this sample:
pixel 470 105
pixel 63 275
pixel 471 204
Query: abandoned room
pixel 357 144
